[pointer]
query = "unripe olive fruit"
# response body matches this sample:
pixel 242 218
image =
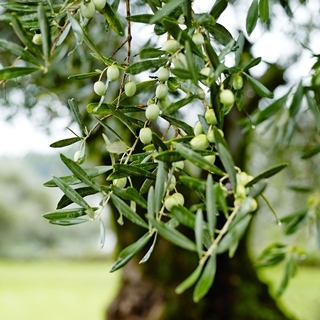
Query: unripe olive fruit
pixel 201 94
pixel 161 91
pixel 226 97
pixel 113 73
pixel 120 183
pixel 198 129
pixel 87 9
pixel 179 197
pixel 145 135
pixel 198 39
pixel 172 183
pixel 99 4
pixel 241 191
pixel 200 142
pixel 130 88
pixel 237 82
pixel 37 39
pixel 152 112
pixel 163 74
pixel 179 165
pixel 210 158
pixel 206 71
pixel 170 202
pixel 180 61
pixel 79 157
pixel 253 205
pixel 210 116
pixel 243 178
pixel 100 88
pixel 164 103
pixel 171 46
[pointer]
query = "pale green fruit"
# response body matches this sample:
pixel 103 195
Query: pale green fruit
pixel 130 88
pixel 179 165
pixel 113 73
pixel 241 191
pixel 87 9
pixel 161 91
pixel 145 135
pixel 253 205
pixel 170 202
pixel 37 39
pixel 99 4
pixel 179 197
pixel 198 39
pixel 171 46
pixel 120 183
pixel 180 61
pixel 172 183
pixel 198 129
pixel 163 74
pixel 152 112
pixel 243 178
pixel 206 71
pixel 79 157
pixel 210 116
pixel 210 158
pixel 210 136
pixel 151 101
pixel 237 82
pixel 201 94
pixel 226 97
pixel 100 88
pixel 200 142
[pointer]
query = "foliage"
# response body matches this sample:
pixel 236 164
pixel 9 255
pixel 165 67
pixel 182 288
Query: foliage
pixel 148 168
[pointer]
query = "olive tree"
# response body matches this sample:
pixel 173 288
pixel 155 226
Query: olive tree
pixel 174 116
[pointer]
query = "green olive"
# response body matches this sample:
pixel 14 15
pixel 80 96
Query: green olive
pixel 113 73
pixel 100 88
pixel 130 88
pixel 87 9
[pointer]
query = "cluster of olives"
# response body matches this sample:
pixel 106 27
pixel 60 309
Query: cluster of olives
pixel 174 199
pixel 88 7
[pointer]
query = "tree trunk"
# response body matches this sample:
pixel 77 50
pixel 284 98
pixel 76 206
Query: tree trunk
pixel 148 290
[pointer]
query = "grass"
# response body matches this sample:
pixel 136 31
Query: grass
pixel 56 290
pixel 302 296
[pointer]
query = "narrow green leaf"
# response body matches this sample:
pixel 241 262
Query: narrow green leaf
pixel 184 216
pixel 129 252
pixel 220 33
pixel 117 147
pixel 160 186
pixel 65 214
pixel 181 73
pixel 212 55
pixel 174 236
pixel 199 232
pixel 296 101
pixel 151 204
pixel 45 34
pixel 193 183
pixel 190 281
pixel 19 51
pixel 76 28
pixel 191 62
pixel 24 37
pixel 80 173
pixel 264 10
pixel 83 76
pixel 15 72
pixel 68 222
pixel 144 65
pixel 254 62
pixel 140 18
pixel 252 16
pixel 149 252
pixel 83 192
pixel 290 272
pixel 71 193
pixel 268 173
pixel 206 280
pixel 75 110
pixel 179 124
pixel 310 153
pixel 150 53
pixel 259 88
pixel 239 50
pixel 197 159
pixel 64 142
pixel 71 180
pixel 130 194
pixel 124 209
pixel 228 164
pixel 218 7
pixel 113 20
pixel 130 170
pixel 166 10
pixel 169 156
pixel 211 206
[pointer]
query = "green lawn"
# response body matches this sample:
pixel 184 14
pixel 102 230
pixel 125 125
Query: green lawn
pixel 56 290
pixel 302 297
pixel 82 290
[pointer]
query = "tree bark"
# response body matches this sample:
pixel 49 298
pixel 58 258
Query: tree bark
pixel 147 290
